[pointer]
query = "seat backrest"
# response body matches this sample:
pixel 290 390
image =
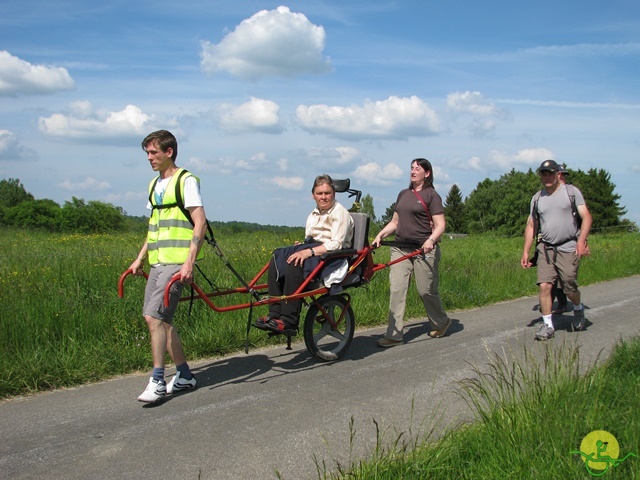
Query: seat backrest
pixel 360 230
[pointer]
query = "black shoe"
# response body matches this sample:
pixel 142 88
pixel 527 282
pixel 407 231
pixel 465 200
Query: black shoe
pixel 278 326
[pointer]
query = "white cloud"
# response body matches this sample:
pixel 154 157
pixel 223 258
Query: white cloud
pixel 270 43
pixel 374 174
pixel 500 161
pixel 480 127
pixel 335 155
pixel 18 77
pixel 115 198
pixel 227 165
pixel 255 115
pixel 586 49
pixel 475 163
pixel 481 111
pixel 394 118
pixel 439 174
pixel 470 102
pixel 11 149
pixel 283 164
pixel 88 183
pixel 83 122
pixel 532 157
pixel 288 183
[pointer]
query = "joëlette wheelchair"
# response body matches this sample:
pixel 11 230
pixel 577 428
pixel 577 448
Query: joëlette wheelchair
pixel 329 323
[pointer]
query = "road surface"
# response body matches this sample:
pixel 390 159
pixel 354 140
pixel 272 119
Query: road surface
pixel 278 410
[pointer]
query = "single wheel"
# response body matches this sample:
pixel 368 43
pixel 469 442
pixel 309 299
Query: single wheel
pixel 329 327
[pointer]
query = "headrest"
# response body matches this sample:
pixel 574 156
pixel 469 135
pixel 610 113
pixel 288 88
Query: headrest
pixel 342 185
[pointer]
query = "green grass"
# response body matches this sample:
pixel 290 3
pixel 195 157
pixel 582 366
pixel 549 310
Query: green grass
pixel 62 323
pixel 531 413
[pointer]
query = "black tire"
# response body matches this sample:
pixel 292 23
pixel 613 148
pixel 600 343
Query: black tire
pixel 324 342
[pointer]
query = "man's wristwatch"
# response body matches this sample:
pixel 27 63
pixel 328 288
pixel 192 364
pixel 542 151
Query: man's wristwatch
pixel 313 254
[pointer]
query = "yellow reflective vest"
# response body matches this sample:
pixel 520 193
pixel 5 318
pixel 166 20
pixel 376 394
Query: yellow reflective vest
pixel 170 228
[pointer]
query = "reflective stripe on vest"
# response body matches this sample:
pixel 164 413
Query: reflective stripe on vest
pixel 170 232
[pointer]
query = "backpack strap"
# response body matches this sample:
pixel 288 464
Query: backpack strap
pixel 179 199
pixel 571 191
pixel 151 190
pixel 536 215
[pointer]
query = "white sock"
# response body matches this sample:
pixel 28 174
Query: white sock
pixel 547 320
pixel 578 307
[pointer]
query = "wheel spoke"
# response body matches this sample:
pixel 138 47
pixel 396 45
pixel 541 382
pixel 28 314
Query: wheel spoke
pixel 325 342
pixel 337 334
pixel 323 332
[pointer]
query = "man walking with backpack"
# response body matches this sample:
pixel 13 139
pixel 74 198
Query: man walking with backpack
pixel 563 222
pixel 177 228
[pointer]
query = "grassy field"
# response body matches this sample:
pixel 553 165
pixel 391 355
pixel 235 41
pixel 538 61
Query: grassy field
pixel 532 415
pixel 62 323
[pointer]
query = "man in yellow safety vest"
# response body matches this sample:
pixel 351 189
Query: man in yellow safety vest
pixel 177 227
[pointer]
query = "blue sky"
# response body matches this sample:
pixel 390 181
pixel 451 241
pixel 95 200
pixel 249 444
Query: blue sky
pixel 263 96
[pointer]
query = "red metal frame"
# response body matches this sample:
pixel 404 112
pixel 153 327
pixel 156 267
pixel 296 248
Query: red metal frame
pixel 364 255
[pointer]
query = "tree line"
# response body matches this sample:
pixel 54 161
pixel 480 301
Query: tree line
pixel 502 206
pixel 495 206
pixel 19 208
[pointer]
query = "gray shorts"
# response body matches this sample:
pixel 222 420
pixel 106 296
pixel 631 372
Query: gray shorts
pixel 560 266
pixel 153 306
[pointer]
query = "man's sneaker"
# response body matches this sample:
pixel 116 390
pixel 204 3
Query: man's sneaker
pixel 156 389
pixel 578 320
pixel 545 333
pixel 178 384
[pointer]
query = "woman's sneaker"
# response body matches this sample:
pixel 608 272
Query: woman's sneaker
pixel 178 384
pixel 545 333
pixel 156 389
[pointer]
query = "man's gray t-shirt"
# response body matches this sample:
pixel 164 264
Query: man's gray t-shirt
pixel 557 224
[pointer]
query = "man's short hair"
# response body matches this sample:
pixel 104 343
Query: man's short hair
pixel 164 139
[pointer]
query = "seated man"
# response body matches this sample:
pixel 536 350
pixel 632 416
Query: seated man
pixel 329 227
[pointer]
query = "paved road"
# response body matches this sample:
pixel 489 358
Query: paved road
pixel 275 409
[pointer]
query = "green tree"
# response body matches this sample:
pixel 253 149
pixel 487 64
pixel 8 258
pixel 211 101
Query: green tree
pixel 41 214
pixel 92 217
pixel 367 207
pixel 388 215
pixel 501 206
pixel 12 192
pixel 598 192
pixel 454 211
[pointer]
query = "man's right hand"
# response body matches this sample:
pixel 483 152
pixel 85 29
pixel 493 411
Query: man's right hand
pixel 136 267
pixel 524 261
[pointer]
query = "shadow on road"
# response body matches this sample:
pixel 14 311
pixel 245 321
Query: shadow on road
pixel 261 368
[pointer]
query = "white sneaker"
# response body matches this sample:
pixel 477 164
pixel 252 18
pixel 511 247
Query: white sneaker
pixel 178 384
pixel 156 389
